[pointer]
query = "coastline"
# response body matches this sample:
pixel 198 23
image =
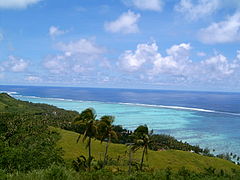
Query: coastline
pixel 173 121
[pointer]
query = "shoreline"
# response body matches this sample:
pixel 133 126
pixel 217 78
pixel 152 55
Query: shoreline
pixel 180 123
pixel 16 95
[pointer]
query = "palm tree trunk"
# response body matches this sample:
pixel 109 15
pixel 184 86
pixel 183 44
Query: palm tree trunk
pixel 106 151
pixel 130 160
pixel 144 149
pixel 89 154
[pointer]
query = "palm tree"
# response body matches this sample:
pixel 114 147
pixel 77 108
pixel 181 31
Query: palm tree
pixel 106 132
pixel 87 121
pixel 142 140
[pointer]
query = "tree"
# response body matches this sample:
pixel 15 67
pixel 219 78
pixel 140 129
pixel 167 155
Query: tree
pixel 106 132
pixel 141 140
pixel 87 120
pixel 27 144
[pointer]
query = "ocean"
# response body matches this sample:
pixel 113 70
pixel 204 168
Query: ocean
pixel 207 119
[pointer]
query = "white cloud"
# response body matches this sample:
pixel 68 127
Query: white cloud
pixel 55 64
pixel 176 65
pixel 126 23
pixel 55 31
pixel 217 67
pixel 16 4
pixel 15 64
pixel 80 56
pixel 222 32
pixel 146 57
pixel 154 5
pixel 238 54
pixel 82 46
pixel 33 78
pixel 133 61
pixel 194 11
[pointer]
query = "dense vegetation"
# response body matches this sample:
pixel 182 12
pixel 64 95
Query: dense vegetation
pixel 33 145
pixel 26 143
pixel 63 173
pixel 50 114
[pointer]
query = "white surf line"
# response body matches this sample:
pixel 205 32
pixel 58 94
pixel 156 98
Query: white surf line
pixel 15 94
pixel 181 108
pixel 9 92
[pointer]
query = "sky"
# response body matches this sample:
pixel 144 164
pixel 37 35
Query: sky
pixel 145 44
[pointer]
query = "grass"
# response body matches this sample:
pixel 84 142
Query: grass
pixel 63 173
pixel 156 159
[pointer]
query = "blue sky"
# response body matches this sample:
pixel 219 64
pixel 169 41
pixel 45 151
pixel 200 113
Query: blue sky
pixel 159 44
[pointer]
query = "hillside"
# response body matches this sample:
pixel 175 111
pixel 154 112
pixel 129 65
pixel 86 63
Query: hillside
pixel 156 159
pixel 53 115
pixel 10 104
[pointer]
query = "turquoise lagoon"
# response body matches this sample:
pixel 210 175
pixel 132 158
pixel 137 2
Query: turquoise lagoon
pixel 215 130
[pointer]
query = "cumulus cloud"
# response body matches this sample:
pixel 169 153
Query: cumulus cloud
pixel 55 31
pixel 134 60
pixel 146 56
pixel 126 23
pixel 177 64
pixel 80 56
pixel 194 11
pixel 153 5
pixel 15 64
pixel 222 32
pixel 218 67
pixel 16 4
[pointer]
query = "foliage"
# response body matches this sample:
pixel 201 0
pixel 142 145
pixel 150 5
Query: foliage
pixel 62 173
pixel 141 140
pixel 49 114
pixel 106 132
pixel 80 164
pixel 87 119
pixel 26 143
pixel 225 156
pixel 162 141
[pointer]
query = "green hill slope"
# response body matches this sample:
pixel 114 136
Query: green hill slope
pixel 156 159
pixel 9 104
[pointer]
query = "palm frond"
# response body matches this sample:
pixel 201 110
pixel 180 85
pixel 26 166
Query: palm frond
pixel 135 148
pixel 78 138
pixel 84 136
pixel 114 134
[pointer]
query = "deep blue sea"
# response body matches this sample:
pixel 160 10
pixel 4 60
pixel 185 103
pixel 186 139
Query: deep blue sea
pixel 209 119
